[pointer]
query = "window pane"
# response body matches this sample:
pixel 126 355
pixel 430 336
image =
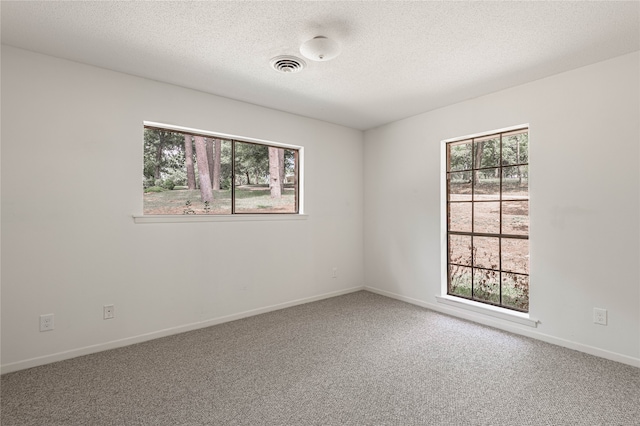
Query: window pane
pixel 487 152
pixel 460 186
pixel 515 149
pixel 486 252
pixel 173 181
pixel 486 285
pixel 515 182
pixel 515 291
pixel 486 217
pixel 515 255
pixel 487 185
pixel 460 249
pixel 460 281
pixel 460 217
pixel 460 156
pixel 515 217
pixel 265 179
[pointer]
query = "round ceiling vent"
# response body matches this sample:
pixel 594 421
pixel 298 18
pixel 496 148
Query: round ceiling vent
pixel 287 64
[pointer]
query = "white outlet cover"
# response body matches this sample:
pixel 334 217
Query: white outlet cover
pixel 46 322
pixel 600 316
pixel 108 311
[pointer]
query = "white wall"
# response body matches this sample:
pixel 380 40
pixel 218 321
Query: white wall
pixel 584 188
pixel 71 181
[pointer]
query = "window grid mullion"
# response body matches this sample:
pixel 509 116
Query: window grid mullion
pixel 500 220
pixel 233 176
pixel 473 209
pixel 487 168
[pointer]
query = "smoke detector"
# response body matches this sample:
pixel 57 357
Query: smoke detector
pixel 287 64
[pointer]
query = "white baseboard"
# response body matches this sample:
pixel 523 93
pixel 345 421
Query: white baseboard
pixel 511 327
pixel 60 356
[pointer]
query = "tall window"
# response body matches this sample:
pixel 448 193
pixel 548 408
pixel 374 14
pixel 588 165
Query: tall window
pixel 187 173
pixel 488 219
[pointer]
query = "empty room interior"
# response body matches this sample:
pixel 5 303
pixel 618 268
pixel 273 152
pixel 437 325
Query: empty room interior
pixel 331 213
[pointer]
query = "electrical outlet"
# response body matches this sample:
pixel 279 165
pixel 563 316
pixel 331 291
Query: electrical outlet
pixel 108 312
pixel 334 272
pixel 600 316
pixel 46 322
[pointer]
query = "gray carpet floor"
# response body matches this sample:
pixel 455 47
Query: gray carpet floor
pixel 358 359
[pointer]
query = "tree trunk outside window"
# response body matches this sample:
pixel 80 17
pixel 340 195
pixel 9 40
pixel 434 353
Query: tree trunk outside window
pixel 203 169
pixel 188 154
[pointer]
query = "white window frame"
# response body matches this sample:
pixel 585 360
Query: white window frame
pixel 459 302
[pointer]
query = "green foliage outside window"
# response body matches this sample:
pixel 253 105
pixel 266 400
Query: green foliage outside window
pixel 216 176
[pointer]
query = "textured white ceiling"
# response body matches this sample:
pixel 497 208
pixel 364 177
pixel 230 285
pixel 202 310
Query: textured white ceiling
pixel 398 58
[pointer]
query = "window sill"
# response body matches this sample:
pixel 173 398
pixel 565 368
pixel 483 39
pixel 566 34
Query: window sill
pixel 494 311
pixel 179 218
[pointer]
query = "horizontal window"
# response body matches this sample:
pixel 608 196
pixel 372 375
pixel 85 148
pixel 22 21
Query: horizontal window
pixel 186 173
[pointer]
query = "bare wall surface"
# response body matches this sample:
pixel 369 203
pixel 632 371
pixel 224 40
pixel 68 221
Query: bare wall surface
pixel 72 179
pixel 584 187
